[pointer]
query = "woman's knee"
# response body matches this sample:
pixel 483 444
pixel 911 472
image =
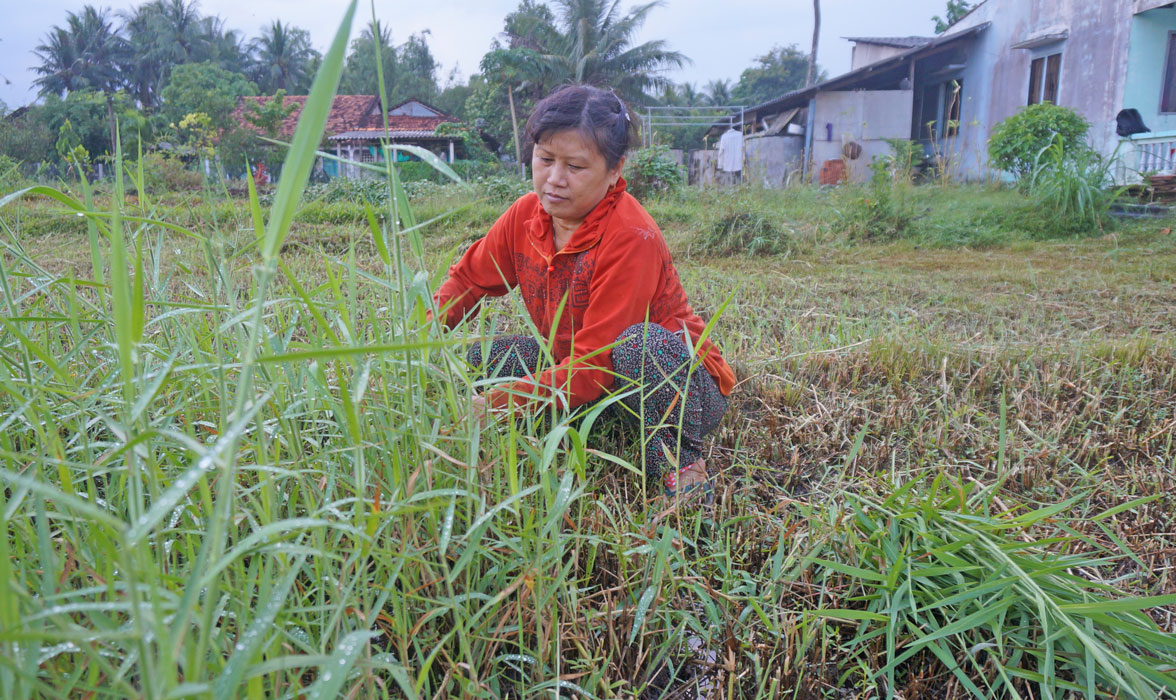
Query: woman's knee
pixel 647 340
pixel 508 355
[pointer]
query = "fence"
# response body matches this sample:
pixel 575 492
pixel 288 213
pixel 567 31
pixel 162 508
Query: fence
pixel 1147 154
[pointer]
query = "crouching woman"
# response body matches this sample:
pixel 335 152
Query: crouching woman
pixel 580 237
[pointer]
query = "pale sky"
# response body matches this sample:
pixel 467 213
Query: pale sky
pixel 722 38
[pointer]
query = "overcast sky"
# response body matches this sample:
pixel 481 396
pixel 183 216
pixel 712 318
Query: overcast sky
pixel 721 38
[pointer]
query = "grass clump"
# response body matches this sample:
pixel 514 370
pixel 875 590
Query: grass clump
pixel 744 233
pixel 936 579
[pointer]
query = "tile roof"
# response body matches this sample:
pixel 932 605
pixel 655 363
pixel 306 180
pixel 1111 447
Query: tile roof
pixel 348 113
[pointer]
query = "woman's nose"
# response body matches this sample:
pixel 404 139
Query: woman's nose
pixel 559 174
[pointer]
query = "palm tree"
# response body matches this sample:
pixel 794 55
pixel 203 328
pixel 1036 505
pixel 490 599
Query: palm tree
pixel 718 92
pixel 163 34
pixel 690 95
pixel 85 55
pixel 281 59
pixel 591 42
pixel 226 46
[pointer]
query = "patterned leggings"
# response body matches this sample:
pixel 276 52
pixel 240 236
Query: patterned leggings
pixel 661 366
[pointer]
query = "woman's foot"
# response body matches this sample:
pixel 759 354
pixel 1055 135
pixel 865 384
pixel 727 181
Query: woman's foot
pixel 689 480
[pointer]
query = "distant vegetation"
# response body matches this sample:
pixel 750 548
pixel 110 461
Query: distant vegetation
pixel 150 67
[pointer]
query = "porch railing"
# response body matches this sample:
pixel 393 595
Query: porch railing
pixel 1147 154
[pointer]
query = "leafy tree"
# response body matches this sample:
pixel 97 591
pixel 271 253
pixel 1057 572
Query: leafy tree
pixel 359 74
pixel 453 97
pixel 268 115
pixel 204 87
pixel 85 55
pixel 281 59
pixel 486 109
pixel 410 71
pixel 87 111
pixel 780 71
pixel 27 138
pixel 418 69
pixel 956 9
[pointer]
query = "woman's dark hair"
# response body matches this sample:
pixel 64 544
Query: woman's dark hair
pixel 599 115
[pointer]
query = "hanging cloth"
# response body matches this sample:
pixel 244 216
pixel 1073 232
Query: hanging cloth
pixel 731 151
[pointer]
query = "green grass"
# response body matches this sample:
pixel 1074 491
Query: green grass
pixel 238 461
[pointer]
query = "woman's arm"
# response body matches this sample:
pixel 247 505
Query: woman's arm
pixel 486 269
pixel 627 276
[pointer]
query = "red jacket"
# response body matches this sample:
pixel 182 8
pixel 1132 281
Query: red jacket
pixel 615 268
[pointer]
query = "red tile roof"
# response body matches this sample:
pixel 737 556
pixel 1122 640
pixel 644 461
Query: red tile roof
pixel 348 113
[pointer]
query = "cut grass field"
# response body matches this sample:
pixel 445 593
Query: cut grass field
pixel 238 461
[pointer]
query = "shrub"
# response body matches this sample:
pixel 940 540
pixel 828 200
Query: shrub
pixel 650 171
pixel 885 210
pixel 1016 142
pixel 415 170
pixel 10 175
pixel 502 189
pixel 162 173
pixel 1073 185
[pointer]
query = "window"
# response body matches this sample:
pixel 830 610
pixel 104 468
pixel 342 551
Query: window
pixel 1045 74
pixel 1168 99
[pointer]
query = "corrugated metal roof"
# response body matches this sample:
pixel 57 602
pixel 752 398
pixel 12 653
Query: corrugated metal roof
pixel 899 42
pixel 847 79
pixel 376 134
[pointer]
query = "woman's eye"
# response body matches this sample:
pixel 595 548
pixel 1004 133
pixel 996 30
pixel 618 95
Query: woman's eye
pixel 575 167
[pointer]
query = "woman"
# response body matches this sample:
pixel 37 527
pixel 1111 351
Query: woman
pixel 589 260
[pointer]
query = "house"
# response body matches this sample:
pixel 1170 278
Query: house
pixel 355 128
pixel 1096 56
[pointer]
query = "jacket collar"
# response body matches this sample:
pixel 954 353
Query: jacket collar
pixel 541 233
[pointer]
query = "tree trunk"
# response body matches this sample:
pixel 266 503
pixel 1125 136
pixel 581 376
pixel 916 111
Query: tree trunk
pixel 812 68
pixel 514 124
pixel 113 124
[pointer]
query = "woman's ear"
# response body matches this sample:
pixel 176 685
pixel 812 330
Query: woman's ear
pixel 616 173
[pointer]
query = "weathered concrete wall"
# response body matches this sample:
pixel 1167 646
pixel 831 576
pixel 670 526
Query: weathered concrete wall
pixel 1145 5
pixel 863 117
pixel 867 54
pixel 1094 66
pixel 771 161
pixel 704 166
pixel 1145 66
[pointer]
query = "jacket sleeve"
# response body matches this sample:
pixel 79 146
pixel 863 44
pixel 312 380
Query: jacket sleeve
pixel 486 269
pixel 628 274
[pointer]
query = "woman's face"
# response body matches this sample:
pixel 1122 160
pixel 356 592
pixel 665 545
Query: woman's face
pixel 570 175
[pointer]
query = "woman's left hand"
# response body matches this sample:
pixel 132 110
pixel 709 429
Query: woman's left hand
pixel 482 409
